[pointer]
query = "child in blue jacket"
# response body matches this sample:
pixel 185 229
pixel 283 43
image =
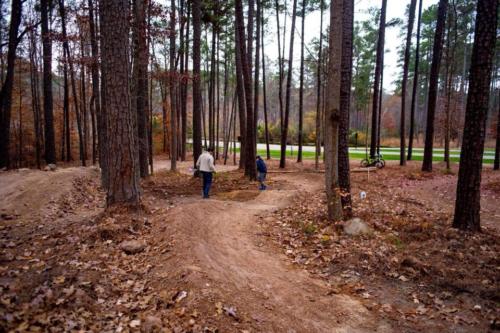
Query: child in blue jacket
pixel 261 172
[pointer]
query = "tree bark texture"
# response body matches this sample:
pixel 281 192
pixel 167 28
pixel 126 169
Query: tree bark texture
pixel 406 65
pixel 333 111
pixel 345 106
pixel 121 126
pixel 434 84
pixel 467 205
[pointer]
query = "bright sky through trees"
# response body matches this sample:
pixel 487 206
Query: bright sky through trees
pixel 395 9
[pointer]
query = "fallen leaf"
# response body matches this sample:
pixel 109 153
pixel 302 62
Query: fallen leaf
pixel 179 296
pixel 218 307
pixel 135 323
pixel 231 312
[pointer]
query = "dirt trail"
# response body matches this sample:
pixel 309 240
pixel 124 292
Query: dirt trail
pixel 262 283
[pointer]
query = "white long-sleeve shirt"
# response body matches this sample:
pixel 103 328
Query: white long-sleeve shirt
pixel 205 162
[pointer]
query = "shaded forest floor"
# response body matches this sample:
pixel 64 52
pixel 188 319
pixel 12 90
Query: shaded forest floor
pixel 245 261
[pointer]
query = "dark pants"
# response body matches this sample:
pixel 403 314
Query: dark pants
pixel 261 177
pixel 207 182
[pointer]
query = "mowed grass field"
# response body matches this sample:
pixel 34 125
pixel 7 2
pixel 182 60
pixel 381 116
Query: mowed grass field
pixel 388 154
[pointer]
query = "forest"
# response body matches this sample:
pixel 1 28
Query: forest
pixel 349 151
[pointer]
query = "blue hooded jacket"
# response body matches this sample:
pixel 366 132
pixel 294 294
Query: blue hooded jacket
pixel 261 166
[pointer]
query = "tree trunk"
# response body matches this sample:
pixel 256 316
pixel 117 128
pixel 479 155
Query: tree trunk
pixel 121 145
pixel 280 64
pixel 462 93
pixel 377 85
pixel 496 163
pixel 345 106
pixel 318 91
pixel 284 132
pixel 211 92
pixel 151 119
pixel 83 101
pixel 333 111
pixel 6 92
pixel 140 82
pixel 63 123
pixel 225 119
pixel 301 87
pixel 79 117
pixel 234 136
pixel 246 69
pixel 467 205
pixel 35 99
pixel 96 96
pixel 67 57
pixel 50 149
pixel 228 134
pixel 173 84
pixel 94 130
pixel 264 90
pixel 196 80
pixel 380 99
pixel 180 85
pixel 203 111
pixel 240 59
pixel 257 69
pixel 185 87
pixel 450 68
pixel 402 128
pixel 102 117
pixel 217 117
pixel 414 96
pixel 67 120
pixel 249 49
pixel 164 116
pixel 433 84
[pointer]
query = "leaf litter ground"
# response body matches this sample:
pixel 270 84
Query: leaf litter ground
pixel 63 268
pixel 414 269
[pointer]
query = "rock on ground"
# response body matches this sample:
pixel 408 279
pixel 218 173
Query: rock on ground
pixel 133 246
pixel 50 167
pixel 356 226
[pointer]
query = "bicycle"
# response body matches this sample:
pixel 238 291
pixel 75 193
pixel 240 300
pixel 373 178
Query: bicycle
pixel 377 161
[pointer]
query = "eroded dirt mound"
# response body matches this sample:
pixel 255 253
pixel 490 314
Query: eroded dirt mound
pixel 33 192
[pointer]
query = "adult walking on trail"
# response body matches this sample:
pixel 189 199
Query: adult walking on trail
pixel 261 172
pixel 205 165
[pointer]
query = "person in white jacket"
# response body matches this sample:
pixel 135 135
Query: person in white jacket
pixel 205 165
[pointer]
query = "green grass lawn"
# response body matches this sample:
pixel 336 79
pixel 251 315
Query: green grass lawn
pixel 359 156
